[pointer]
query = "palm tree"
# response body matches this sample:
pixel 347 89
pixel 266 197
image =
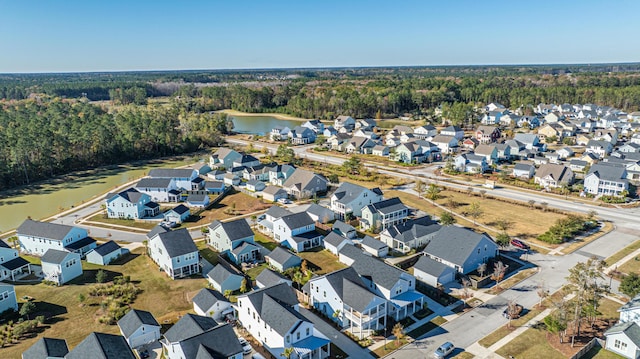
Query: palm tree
pixel 398 331
pixel 287 353
pixel 433 193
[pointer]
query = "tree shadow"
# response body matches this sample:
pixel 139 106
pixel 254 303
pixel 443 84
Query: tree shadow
pixel 89 277
pixel 124 259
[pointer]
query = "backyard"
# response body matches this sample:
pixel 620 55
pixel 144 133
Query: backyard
pixel 321 261
pixel 72 320
pixel 233 204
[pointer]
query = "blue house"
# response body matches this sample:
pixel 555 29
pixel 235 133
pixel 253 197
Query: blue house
pixel 105 253
pixel 198 200
pixel 234 238
pixel 223 278
pixel 8 299
pixel 37 237
pixel 60 266
pixel 131 204
pixel 214 187
pixel 281 259
pixel 177 214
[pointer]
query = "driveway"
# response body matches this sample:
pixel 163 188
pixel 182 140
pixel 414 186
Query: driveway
pixel 352 349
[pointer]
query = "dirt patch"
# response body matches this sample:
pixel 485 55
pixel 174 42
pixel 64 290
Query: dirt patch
pixel 586 334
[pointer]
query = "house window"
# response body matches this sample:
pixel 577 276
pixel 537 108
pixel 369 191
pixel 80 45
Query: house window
pixel 298 336
pixel 288 338
pixel 620 345
pixel 307 331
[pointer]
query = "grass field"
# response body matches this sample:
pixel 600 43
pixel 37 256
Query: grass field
pixel 100 217
pixel 265 241
pixel 165 298
pixel 321 261
pixel 623 253
pixel 233 204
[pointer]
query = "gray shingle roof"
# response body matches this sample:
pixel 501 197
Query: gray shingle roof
pixel 134 319
pixel 412 229
pixel 305 180
pixel 153 183
pixel 387 206
pixel 102 346
pixel 373 243
pixel 171 173
pixel 610 172
pixel 382 274
pixel 54 256
pixel 277 212
pixel 155 230
pixel 348 192
pixel 282 256
pixel 46 347
pixel 180 209
pixel 297 220
pixel 430 266
pixel 47 230
pixel 272 190
pixel 275 306
pixel 455 244
pixel 342 227
pixel 630 329
pixel 177 242
pixel 220 273
pixel 236 229
pixel 107 248
pixel 196 197
pixel 268 278
pixel 188 327
pixel 349 287
pixel 217 343
pixel 559 173
pixel 130 194
pixel 206 298
pixel 334 239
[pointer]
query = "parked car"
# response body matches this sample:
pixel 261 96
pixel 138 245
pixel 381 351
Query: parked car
pixel 519 244
pixel 258 356
pixel 284 201
pixel 242 341
pixel 143 354
pixel 444 350
pixel 247 349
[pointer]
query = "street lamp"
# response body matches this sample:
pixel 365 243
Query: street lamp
pixel 385 337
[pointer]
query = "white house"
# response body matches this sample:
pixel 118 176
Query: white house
pixel 234 238
pixel 8 299
pixel 105 253
pixel 211 303
pixel 60 266
pixel 224 277
pixel 183 177
pixel 159 189
pixel 268 278
pixel 453 131
pixel 130 204
pixel 334 242
pixel 349 199
pixel 271 316
pixel 346 122
pixel 624 337
pixel 101 345
pixel 195 336
pixel 177 214
pixel 374 247
pixel 139 327
pixel 606 179
pixel 381 215
pixel 175 253
pixel 446 144
pixel 432 272
pixel 409 235
pixel 11 264
pixel 297 231
pixel 273 193
pixel 37 237
pixel 553 175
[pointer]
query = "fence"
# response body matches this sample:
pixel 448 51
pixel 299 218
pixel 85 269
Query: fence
pixel 584 350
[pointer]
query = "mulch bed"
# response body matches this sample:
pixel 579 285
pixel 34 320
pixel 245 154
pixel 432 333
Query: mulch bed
pixel 586 334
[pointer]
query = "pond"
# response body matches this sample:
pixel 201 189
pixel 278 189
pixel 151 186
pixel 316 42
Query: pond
pixel 43 200
pixel 260 125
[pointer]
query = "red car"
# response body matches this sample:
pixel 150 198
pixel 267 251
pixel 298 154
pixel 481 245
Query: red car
pixel 519 244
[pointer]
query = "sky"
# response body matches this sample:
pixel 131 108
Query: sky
pixel 122 35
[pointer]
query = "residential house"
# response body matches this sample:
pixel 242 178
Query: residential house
pixel 425 132
pixel 530 122
pixel 523 170
pixel 495 106
pixel 624 337
pixel 106 253
pixel 553 176
pixel 339 141
pixel 344 297
pixel 268 278
pixel 609 135
pixel 273 193
pixel 305 184
pixel 47 348
pixel 366 124
pixel 402 129
pixel 509 119
pixel 102 345
pixel 302 136
pixel 297 231
pixel 60 266
pixel 490 152
pixel 255 185
pixel 184 177
pixel 279 133
pixel 278 174
pixel 530 141
pixel 432 272
pixel 346 122
pixel 11 264
pixel 409 153
pixel 387 281
pixel 553 117
pixel 211 303
pixel 564 153
pixel 360 145
pixel 344 229
pixel 139 327
pixel 271 316
pixel 334 242
pixel 314 125
pixel 8 299
pixel 380 150
pixel 504 151
pixel 224 158
pixel 175 253
pixel 590 158
pixel 257 173
pixel 36 238
pixel 231 179
pixel 366 134
pixel 130 204
pixel 552 157
pixel 582 140
pixel 599 148
pixel 608 179
pixel 487 134
pixel 198 200
pixel 453 131
pixel 470 163
pixel 223 277
pixel 329 131
pixel 281 259
pixel 629 147
pixel 578 165
pixel 550 131
pixel 244 161
pixel 235 239
pixel 202 168
pixel 470 143
pixel 446 144
pixel 458 248
pixel 195 336
pixel 374 247
pixel 265 225
pixel 381 215
pixel 349 199
pixel 158 189
pixel 177 214
pixel 409 235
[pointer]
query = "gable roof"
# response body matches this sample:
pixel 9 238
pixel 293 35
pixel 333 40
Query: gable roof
pixel 348 192
pixel 277 212
pixel 342 227
pixel 387 206
pixel 529 138
pixel 412 229
pixel 268 278
pixel 220 342
pixel 130 194
pixel 560 173
pixel 275 307
pixel 177 242
pixel 207 297
pixel 54 256
pixel 102 346
pixel 485 150
pixel 189 326
pixel 46 347
pixel 372 243
pixel 630 329
pixel 334 239
pixel 349 286
pixel 486 129
pixel 53 231
pixel 154 183
pixel 171 172
pixel 282 256
pixel 382 274
pixel 106 248
pixel 134 319
pixel 156 230
pixel 297 220
pixel 609 171
pixel 272 190
pixel 221 273
pixel 303 179
pixel 236 229
pixel 180 209
pixel 454 244
pixel 430 266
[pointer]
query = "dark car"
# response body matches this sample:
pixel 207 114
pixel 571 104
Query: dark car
pixel 144 354
pixel 519 244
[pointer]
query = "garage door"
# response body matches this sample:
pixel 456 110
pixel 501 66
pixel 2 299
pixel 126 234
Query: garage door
pixel 142 339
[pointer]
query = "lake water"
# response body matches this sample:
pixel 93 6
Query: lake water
pixel 44 200
pixel 259 125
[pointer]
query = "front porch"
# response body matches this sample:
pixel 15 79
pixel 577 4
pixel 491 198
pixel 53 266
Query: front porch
pixel 15 269
pixel 363 324
pixel 405 304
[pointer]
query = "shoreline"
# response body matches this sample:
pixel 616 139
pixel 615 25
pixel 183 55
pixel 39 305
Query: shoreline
pixel 278 116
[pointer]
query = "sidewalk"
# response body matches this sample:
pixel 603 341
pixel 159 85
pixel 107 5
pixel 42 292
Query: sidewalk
pixel 622 261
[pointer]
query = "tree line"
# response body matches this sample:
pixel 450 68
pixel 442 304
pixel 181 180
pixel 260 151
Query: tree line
pixel 48 137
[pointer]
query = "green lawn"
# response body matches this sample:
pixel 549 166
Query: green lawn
pixel 165 298
pixel 530 344
pixel 391 346
pixel 321 261
pixel 255 271
pixel 207 253
pixel 265 241
pixel 100 218
pixel 623 253
pixel 598 352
